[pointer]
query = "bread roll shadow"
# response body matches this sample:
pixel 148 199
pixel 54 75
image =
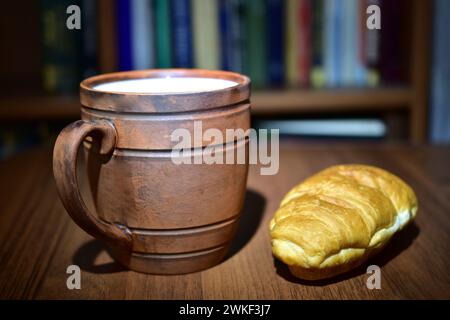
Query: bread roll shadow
pixel 399 243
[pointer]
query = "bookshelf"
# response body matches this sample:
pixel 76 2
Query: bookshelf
pixel 411 99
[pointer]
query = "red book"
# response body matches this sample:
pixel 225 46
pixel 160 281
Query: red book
pixel 304 43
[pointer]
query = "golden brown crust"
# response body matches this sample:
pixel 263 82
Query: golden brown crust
pixel 337 218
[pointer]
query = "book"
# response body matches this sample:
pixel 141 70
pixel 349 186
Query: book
pixel 61 48
pixel 205 27
pixel 124 35
pixel 317 75
pixel 291 43
pixel 390 42
pixel 440 75
pixel 142 34
pixel 349 48
pixel 355 128
pixel 107 40
pixel 231 35
pixel 275 42
pixel 89 63
pixel 360 59
pixel 181 34
pixel 354 42
pixel 255 42
pixel 332 42
pixel 372 50
pixel 304 42
pixel 163 34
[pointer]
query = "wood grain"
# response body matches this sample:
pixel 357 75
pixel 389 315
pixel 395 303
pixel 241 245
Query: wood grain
pixel 38 240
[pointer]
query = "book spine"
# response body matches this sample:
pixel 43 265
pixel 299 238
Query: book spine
pixel 361 38
pixel 291 42
pixel 390 57
pixel 440 75
pixel 206 34
pixel 163 34
pixel 317 77
pixel 124 35
pixel 225 34
pixel 107 40
pixel 61 48
pixel 256 49
pixel 372 51
pixel 332 42
pixel 304 42
pixel 89 63
pixel 275 26
pixel 337 41
pixel 182 34
pixel 349 34
pixel 232 34
pixel 142 34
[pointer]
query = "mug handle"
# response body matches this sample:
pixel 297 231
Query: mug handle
pixel 65 171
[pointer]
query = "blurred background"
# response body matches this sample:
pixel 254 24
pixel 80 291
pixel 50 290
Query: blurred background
pixel 317 71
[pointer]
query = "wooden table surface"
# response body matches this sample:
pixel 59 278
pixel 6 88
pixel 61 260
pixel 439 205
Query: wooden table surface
pixel 38 240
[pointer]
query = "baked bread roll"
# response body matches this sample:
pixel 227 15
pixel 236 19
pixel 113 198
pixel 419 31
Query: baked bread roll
pixel 336 219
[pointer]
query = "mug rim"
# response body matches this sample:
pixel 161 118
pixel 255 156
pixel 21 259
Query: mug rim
pixel 91 82
pixel 148 102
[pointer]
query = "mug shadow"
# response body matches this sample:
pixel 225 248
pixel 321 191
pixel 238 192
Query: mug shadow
pixel 251 217
pixel 399 243
pixel 250 220
pixel 86 255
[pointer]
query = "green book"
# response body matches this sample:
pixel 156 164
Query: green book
pixel 162 34
pixel 317 76
pixel 255 58
pixel 61 48
pixel 206 34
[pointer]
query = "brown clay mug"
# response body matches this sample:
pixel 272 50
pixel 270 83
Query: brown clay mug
pixel 155 215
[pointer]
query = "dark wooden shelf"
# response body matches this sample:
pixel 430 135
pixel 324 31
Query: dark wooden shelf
pixel 330 100
pixel 39 107
pixel 30 107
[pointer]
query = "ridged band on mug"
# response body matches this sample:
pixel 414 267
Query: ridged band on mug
pixel 167 102
pixel 145 131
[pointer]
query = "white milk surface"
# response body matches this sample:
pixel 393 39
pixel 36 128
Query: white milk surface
pixel 166 85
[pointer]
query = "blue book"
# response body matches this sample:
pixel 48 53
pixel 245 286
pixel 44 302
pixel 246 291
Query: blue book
pixel 275 21
pixel 224 27
pixel 348 43
pixel 332 43
pixel 142 34
pixel 231 35
pixel 440 75
pixel 328 43
pixel 352 66
pixel 182 34
pixel 124 35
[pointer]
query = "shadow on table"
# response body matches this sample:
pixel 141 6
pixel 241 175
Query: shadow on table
pixel 250 220
pixel 400 242
pixel 86 255
pixel 253 209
